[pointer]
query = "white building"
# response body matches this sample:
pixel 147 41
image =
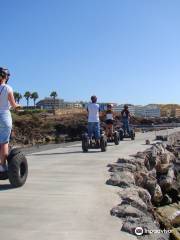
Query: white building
pixel 150 110
pixel 119 108
pixel 73 105
pixel 50 103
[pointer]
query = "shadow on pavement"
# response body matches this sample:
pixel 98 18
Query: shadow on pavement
pixel 64 153
pixel 74 146
pixel 5 187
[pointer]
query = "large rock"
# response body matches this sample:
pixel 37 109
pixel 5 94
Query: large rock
pixel 137 162
pixel 126 210
pixel 146 225
pixel 145 196
pixel 167 181
pixel 122 179
pixel 176 233
pixel 170 215
pixel 124 160
pixel 167 158
pixel 157 195
pixel 122 167
pixel 163 168
pixel 131 196
pixel 147 178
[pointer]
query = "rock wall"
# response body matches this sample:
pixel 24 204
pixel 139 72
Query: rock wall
pixel 148 182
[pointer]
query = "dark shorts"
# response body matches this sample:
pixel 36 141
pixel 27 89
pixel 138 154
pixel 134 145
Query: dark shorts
pixel 109 121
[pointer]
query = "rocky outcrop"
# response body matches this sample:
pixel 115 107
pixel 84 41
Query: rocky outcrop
pixel 148 181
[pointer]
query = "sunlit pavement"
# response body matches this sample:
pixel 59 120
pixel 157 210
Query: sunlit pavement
pixel 65 196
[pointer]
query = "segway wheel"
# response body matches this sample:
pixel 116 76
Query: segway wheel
pixel 17 168
pixel 121 134
pixel 85 143
pixel 116 138
pixel 132 135
pixel 103 144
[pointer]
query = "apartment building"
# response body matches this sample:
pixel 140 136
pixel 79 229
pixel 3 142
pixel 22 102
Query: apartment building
pixel 50 103
pixel 150 110
pixel 119 108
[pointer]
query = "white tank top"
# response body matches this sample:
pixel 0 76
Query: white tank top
pixel 93 110
pixel 109 116
pixel 4 91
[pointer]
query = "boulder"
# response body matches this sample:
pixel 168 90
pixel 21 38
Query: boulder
pixel 122 179
pixel 145 196
pixel 131 196
pixel 146 225
pixel 167 158
pixel 126 210
pixel 166 181
pixel 122 167
pixel 150 184
pixel 157 195
pixel 163 168
pixel 170 214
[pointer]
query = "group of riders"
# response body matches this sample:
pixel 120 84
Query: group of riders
pixel 94 110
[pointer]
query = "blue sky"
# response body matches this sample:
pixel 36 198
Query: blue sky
pixel 120 50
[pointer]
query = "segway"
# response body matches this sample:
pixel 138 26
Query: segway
pixel 17 168
pixel 124 134
pixel 88 143
pixel 113 137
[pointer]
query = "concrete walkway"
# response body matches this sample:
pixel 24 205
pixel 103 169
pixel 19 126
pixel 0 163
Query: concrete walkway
pixel 65 196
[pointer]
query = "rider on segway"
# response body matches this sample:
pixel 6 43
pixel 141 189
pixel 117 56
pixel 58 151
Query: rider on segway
pixel 6 100
pixel 111 133
pixel 13 163
pixel 93 120
pixel 126 131
pixel 109 115
pixel 95 138
pixel 125 114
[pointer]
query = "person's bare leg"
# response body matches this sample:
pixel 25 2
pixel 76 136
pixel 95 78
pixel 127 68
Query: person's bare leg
pixel 3 153
pixel 112 129
pixel 107 130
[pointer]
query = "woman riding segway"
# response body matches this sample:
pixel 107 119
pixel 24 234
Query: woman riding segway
pixel 6 100
pixel 13 164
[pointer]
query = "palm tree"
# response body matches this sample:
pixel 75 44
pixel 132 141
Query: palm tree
pixel 27 95
pixel 54 95
pixel 17 97
pixel 16 94
pixel 34 96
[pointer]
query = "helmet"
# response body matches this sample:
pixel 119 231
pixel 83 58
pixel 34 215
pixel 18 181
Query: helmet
pixel 109 105
pixel 4 73
pixel 125 106
pixel 93 98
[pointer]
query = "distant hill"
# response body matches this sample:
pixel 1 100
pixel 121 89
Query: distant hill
pixel 169 106
pixel 168 109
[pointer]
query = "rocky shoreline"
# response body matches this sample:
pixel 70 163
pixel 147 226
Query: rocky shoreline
pixel 149 190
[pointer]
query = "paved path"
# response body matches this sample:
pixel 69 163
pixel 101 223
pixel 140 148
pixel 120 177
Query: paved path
pixel 65 197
